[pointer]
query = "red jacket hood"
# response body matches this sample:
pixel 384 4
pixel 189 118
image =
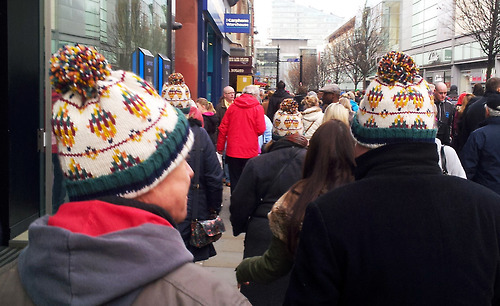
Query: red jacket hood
pixel 246 101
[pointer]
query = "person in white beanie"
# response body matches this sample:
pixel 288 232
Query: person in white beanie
pixel 402 233
pixel 122 149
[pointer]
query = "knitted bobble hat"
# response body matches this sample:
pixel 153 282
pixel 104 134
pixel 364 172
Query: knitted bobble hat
pixel 115 134
pixel 397 107
pixel 176 92
pixel 287 120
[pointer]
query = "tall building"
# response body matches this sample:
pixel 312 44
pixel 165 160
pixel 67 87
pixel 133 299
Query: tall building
pixel 293 27
pixel 440 47
pixel 290 20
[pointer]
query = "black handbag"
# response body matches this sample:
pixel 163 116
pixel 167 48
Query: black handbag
pixel 203 232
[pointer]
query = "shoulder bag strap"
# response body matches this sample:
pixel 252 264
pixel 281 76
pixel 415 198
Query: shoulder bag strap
pixel 443 161
pixel 278 175
pixel 195 185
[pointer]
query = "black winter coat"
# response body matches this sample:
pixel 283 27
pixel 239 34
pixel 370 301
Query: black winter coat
pixel 445 116
pixel 211 125
pixel 275 101
pixel 258 189
pixel 473 117
pixel 402 234
pixel 481 155
pixel 209 193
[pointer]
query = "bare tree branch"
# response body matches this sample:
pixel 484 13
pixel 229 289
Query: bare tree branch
pixel 480 20
pixel 134 25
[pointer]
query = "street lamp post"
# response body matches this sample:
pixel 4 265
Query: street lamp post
pixel 301 66
pixel 170 26
pixel 277 65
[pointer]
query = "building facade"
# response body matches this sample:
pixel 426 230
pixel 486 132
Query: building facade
pixel 442 51
pixel 292 28
pixel 33 30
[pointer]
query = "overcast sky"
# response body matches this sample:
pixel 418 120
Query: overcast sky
pixel 342 8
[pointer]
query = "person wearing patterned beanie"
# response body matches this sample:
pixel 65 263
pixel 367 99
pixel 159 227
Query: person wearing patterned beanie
pixel 403 232
pixel 287 120
pixel 176 92
pixel 122 149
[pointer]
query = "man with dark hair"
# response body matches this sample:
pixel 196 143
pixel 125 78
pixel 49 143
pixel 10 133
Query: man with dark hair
pixel 276 98
pixel 474 113
pixel 478 90
pixel 453 94
pixel 300 95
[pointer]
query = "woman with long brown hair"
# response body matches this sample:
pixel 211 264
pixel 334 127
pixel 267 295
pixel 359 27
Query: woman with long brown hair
pixel 328 164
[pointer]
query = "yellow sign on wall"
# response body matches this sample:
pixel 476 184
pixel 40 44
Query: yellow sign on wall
pixel 242 81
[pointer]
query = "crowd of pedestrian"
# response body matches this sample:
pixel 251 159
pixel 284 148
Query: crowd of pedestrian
pixel 387 196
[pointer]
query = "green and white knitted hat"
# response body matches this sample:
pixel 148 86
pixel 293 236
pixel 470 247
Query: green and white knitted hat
pixel 115 134
pixel 397 107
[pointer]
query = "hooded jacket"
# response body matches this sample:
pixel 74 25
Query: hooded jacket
pixel 240 128
pixel 312 118
pixel 96 252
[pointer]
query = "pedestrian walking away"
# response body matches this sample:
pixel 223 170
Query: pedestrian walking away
pixel 263 181
pixel 239 130
pixel 397 235
pixel 123 152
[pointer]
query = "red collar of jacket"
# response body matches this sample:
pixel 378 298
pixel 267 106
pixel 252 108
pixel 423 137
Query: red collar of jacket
pixel 95 218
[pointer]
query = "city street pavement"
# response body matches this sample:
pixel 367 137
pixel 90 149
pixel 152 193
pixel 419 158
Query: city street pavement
pixel 229 248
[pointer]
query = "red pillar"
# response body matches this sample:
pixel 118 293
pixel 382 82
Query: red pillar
pixel 186 43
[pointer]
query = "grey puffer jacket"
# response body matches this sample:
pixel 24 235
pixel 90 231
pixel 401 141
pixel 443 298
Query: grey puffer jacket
pixel 95 252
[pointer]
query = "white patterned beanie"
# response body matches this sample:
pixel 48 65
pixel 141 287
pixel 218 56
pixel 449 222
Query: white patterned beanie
pixel 115 134
pixel 287 120
pixel 397 107
pixel 176 92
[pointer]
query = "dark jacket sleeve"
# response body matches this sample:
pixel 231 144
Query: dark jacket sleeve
pixel 315 278
pixel 244 199
pixel 221 136
pixel 470 154
pixel 276 262
pixel 271 109
pixel 260 127
pixel 212 175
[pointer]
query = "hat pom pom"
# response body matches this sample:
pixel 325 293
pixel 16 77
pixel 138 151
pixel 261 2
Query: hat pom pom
pixel 397 67
pixel 78 68
pixel 289 106
pixel 176 79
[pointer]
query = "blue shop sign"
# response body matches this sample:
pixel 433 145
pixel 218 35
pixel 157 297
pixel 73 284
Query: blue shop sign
pixel 216 9
pixel 237 23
